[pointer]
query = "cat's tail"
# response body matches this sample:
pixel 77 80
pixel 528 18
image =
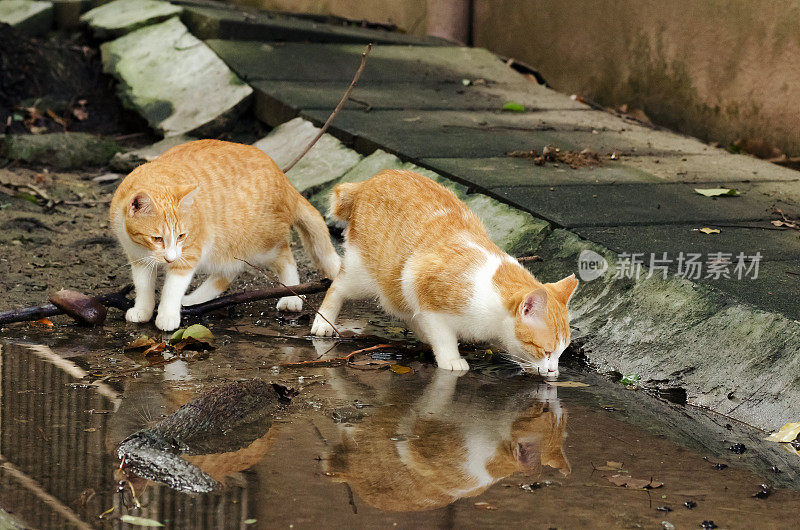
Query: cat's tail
pixel 343 199
pixel 316 238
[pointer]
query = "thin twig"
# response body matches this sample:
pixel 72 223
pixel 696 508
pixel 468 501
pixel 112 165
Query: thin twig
pixel 336 110
pixel 336 361
pixel 523 259
pixel 264 272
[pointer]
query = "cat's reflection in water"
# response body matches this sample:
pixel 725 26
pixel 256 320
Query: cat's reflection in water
pixel 438 449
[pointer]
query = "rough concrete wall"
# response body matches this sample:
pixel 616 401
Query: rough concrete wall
pixel 409 15
pixel 716 69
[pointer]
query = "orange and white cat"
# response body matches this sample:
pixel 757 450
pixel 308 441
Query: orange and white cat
pixel 434 450
pixel 427 257
pixel 204 206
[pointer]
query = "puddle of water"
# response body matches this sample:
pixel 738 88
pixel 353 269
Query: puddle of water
pixel 359 447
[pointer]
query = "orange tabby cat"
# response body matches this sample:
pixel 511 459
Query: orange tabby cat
pixel 428 258
pixel 431 452
pixel 199 207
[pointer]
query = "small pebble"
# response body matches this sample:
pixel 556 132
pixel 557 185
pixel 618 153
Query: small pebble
pixel 738 448
pixel 708 524
pixel 690 504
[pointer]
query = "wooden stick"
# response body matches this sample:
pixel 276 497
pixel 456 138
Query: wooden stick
pixel 116 299
pixel 251 296
pixel 336 110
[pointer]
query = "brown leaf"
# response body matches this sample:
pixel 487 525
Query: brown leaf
pixel 634 483
pixel 610 466
pixel 43 323
pixel 370 364
pixel 158 347
pixel 399 369
pixel 140 343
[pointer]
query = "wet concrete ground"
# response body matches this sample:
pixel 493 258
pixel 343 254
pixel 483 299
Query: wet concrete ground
pixel 364 448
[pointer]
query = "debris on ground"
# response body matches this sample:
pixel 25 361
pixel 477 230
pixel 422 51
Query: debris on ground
pixel 56 85
pixel 785 222
pixel 554 155
pixel 718 192
pixel 738 448
pixel 634 483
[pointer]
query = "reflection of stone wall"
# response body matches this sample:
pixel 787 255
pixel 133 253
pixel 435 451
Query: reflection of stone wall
pixel 718 70
pixel 55 469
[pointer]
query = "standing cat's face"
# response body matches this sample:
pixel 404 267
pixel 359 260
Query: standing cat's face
pixel 541 327
pixel 159 221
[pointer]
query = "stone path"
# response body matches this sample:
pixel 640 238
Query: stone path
pixel 733 344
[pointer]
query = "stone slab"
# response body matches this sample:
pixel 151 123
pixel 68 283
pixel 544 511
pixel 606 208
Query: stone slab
pixel 173 80
pixel 716 166
pixel 275 99
pixel 512 171
pixel 128 161
pixel 642 204
pixel 773 244
pixel 61 150
pixel 328 160
pixel 419 134
pixel 27 16
pixel 207 22
pixel 120 17
pixel 256 61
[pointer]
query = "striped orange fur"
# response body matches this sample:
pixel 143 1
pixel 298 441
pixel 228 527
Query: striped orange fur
pixel 202 207
pixel 427 257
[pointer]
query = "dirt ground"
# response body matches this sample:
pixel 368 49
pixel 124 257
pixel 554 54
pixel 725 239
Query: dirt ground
pixel 44 249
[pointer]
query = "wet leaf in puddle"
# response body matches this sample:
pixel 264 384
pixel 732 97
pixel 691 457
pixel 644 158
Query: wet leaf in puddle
pixel 634 483
pixel 140 343
pixel 156 348
pixel 139 521
pixel 370 364
pixel 567 384
pixel 399 369
pixel 485 506
pixel 611 466
pixel 196 338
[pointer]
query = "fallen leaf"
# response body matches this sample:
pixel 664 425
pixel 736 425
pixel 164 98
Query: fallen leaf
pixel 156 348
pixel 370 364
pixel 611 466
pixel 139 521
pixel 250 521
pixel 198 332
pixel 513 106
pixel 566 384
pixel 707 230
pixel 140 343
pixel 485 506
pixel 196 337
pixel 788 433
pixel 43 323
pixel 634 483
pixel 787 224
pixel 177 336
pixel 630 379
pixel 399 369
pixel 717 192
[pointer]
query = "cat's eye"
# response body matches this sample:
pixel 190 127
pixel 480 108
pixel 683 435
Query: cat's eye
pixel 158 239
pixel 181 237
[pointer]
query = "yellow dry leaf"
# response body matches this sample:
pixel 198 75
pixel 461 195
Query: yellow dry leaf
pixel 788 433
pixel 707 230
pixel 399 369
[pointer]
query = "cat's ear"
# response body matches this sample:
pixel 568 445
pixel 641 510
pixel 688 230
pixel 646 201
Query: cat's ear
pixel 564 289
pixel 557 459
pixel 141 204
pixel 528 454
pixel 533 307
pixel 185 195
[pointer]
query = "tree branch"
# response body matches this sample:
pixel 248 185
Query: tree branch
pixel 336 110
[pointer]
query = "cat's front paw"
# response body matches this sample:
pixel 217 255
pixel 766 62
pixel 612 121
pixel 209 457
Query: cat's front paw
pixel 167 321
pixel 321 328
pixel 290 303
pixel 456 365
pixel 138 314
